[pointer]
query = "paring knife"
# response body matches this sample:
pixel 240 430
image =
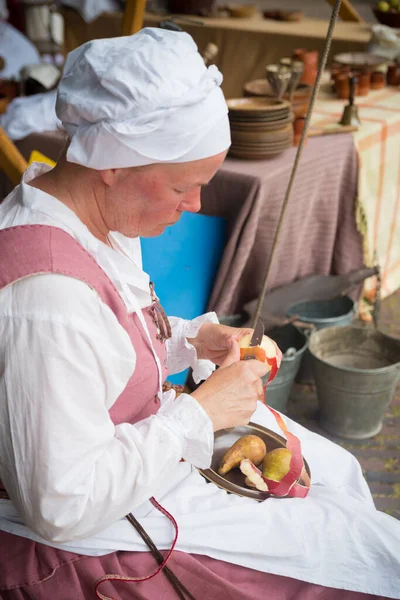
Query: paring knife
pixel 256 340
pixel 257 336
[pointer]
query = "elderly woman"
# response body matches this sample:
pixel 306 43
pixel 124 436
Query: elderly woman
pixel 86 434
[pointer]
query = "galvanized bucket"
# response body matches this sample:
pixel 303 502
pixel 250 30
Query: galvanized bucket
pixel 336 312
pixel 356 371
pixel 293 343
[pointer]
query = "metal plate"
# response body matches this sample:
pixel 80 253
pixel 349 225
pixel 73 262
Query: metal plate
pixel 359 59
pixel 261 87
pixel 233 482
pixel 257 104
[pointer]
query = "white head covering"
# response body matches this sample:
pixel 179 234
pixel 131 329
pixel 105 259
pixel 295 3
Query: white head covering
pixel 141 99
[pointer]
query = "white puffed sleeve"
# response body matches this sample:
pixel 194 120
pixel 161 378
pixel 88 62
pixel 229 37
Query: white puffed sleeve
pixel 181 354
pixel 64 360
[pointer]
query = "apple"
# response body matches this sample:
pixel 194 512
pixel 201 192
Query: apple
pixel 267 352
pixel 383 6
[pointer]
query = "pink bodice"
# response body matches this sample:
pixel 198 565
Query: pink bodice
pixel 37 249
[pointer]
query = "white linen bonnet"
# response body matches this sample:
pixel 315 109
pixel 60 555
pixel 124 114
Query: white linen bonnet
pixel 141 99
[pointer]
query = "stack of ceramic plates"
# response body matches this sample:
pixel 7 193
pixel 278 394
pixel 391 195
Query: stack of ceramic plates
pixel 261 127
pixel 300 98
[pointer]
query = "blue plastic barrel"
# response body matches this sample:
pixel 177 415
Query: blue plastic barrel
pixel 182 262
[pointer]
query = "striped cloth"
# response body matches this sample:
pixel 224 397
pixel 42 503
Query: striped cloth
pixel 378 145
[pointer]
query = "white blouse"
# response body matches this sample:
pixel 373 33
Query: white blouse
pixel 64 360
pixel 73 475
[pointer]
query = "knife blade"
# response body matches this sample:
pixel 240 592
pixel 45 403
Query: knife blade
pixel 258 333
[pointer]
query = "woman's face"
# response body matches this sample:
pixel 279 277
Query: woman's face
pixel 143 201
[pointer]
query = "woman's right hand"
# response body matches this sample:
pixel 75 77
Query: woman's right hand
pixel 229 396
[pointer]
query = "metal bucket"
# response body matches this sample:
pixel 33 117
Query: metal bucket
pixel 336 312
pixel 356 371
pixel 293 344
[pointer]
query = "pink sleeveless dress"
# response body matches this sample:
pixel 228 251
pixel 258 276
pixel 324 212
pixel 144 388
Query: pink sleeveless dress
pixel 34 571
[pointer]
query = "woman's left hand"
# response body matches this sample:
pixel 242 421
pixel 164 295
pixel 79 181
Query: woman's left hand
pixel 215 342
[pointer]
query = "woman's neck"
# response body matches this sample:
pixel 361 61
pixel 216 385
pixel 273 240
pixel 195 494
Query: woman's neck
pixel 79 189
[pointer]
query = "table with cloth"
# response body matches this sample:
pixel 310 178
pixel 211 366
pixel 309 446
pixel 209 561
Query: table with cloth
pixel 344 208
pixel 378 147
pixel 319 234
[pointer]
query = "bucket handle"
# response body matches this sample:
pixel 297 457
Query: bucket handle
pixel 290 357
pixel 305 328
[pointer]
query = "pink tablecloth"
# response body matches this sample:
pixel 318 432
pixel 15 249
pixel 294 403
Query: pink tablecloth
pixel 319 235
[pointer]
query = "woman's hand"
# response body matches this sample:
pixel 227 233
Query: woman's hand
pixel 229 396
pixel 215 342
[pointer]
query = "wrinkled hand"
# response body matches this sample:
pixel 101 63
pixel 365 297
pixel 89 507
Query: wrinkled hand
pixel 229 396
pixel 216 342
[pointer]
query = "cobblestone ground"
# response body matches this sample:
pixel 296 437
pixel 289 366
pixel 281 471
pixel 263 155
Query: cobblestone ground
pixel 380 455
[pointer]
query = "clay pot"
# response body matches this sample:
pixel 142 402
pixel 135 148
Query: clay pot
pixel 310 60
pixel 337 70
pixel 393 74
pixel 378 80
pixel 342 86
pixel 300 100
pixel 298 127
pixel 298 53
pixel 363 83
pixel 309 76
pixel 361 88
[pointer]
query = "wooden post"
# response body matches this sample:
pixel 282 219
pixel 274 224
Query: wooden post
pixel 12 163
pixel 133 16
pixel 347 11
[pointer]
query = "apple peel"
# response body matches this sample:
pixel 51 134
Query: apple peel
pixel 289 484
